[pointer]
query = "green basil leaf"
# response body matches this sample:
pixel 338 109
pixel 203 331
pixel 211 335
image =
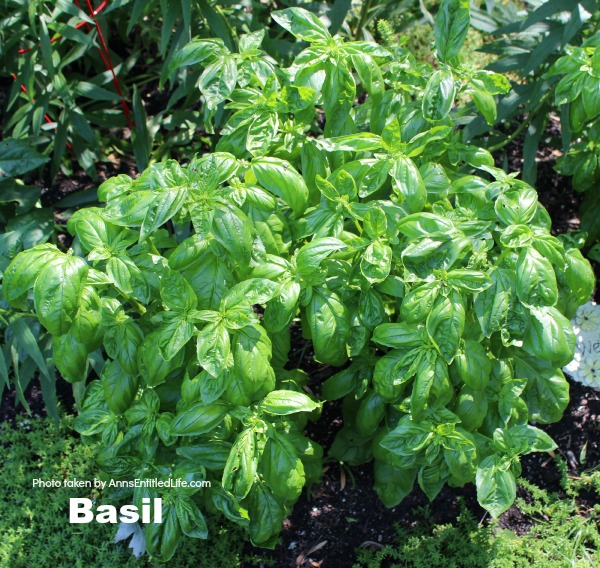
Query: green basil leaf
pixel 329 324
pixel 371 309
pixel 341 89
pixel 252 356
pixel 57 291
pixel 283 402
pixel 302 24
pixel 163 207
pixel 376 262
pixel 424 224
pixel 525 439
pixel 432 478
pixel 469 280
pixel 369 413
pixel 128 278
pixel 129 210
pixel 392 484
pixel 451 28
pixel 240 470
pixel 418 303
pixel 399 335
pixel 122 342
pixel 70 357
pixel 406 440
pixel 471 407
pixel 424 380
pixel 360 142
pixel 536 280
pixel 266 515
pixel 282 468
pixel 439 95
pixel 176 293
pixel 496 486
pixel 280 311
pixel 191 520
pixel 550 336
pixel 119 387
pixel 492 305
pixel 153 367
pixel 312 254
pixel 517 206
pixel 281 179
pixel 173 336
pixel 199 419
pixel 393 371
pixel 446 323
pixel 234 230
pixel 87 324
pixel 22 272
pixel 248 293
pixel 473 365
pixel 408 184
pixel 214 349
pixel 339 385
pixel 486 105
pixel 212 454
pixel 547 390
pixel 218 80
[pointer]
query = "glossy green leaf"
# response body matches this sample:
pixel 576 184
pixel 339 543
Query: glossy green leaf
pixel 22 272
pixel 329 324
pixel 536 280
pixel 282 180
pixel 439 95
pixel 302 24
pixel 199 419
pixel 240 470
pixel 446 323
pixel 57 291
pixel 282 468
pixel 451 27
pixel 283 402
pixel 496 486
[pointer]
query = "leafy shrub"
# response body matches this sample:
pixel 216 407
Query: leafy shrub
pixel 412 262
pixel 60 89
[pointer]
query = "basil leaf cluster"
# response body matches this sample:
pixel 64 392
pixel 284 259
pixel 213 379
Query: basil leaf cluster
pixel 340 196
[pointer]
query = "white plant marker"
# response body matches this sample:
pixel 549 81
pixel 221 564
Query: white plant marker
pixel 137 543
pixel 585 367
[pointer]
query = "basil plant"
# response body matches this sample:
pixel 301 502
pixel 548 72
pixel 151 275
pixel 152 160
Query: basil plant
pixel 578 93
pixel 340 197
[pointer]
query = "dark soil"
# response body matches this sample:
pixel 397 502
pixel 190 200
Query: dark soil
pixel 343 512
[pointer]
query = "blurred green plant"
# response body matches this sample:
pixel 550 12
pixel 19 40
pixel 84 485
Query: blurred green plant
pixel 23 224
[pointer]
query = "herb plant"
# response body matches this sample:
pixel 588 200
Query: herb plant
pixel 550 52
pixel 340 195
